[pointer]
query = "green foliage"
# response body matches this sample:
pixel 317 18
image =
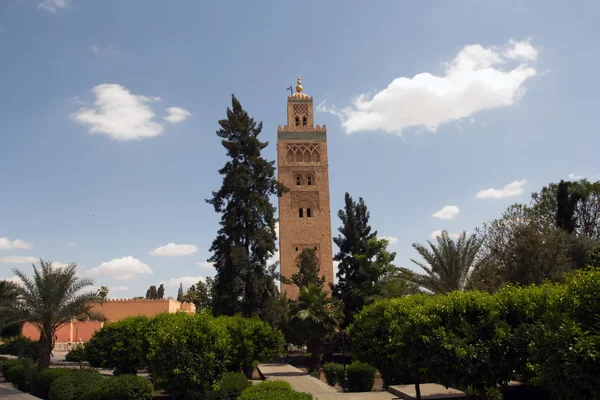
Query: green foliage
pixel 200 294
pixel 80 384
pixel 334 373
pixel 21 346
pixel 593 257
pixel 9 363
pixel 187 353
pixel 51 299
pixel 251 340
pixel 77 355
pixel 273 390
pixel 230 387
pixel 246 240
pixel 9 327
pixel 126 387
pixel 119 346
pixel 308 269
pixel 180 292
pixel 361 377
pixel 22 375
pixel 45 379
pixel 364 261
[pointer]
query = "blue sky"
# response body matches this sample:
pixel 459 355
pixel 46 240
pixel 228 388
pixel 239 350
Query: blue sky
pixel 108 113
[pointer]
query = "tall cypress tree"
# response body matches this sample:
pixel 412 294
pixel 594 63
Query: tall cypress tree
pixel 180 292
pixel 308 269
pixel 360 253
pixel 246 240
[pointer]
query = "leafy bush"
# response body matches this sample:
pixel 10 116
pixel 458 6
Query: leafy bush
pixel 273 390
pixel 22 375
pixel 45 379
pixel 21 346
pixel 76 355
pixel 7 364
pixel 231 386
pixel 334 373
pixel 119 346
pixel 187 353
pixel 126 387
pixel 80 384
pixel 361 377
pixel 251 340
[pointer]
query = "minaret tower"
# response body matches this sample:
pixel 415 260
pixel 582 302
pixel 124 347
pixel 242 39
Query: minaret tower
pixel 304 212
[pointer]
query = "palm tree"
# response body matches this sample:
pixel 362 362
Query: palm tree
pixel 51 300
pixel 103 292
pixel 315 315
pixel 449 264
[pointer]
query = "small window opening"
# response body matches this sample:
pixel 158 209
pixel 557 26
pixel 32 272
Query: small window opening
pixel 297 121
pixel 298 180
pixel 315 247
pixel 300 213
pixel 303 120
pixel 309 180
pixel 296 249
pixel 308 215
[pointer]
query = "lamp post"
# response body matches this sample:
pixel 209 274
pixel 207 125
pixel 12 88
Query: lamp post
pixel 345 381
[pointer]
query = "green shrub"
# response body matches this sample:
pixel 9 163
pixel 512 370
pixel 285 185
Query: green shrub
pixel 126 387
pixel 361 377
pixel 21 346
pixel 334 373
pixel 187 353
pixel 273 390
pixel 119 346
pixel 80 384
pixel 9 363
pixel 76 355
pixel 45 379
pixel 22 375
pixel 231 386
pixel 251 340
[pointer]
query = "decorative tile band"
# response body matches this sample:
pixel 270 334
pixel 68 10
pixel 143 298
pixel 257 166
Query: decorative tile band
pixel 304 135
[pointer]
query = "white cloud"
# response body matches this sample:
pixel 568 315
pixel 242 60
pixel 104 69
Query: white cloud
pixel 177 115
pixel 187 281
pixel 17 244
pixel 119 288
pixel 391 239
pixel 438 232
pixel 119 114
pixel 206 264
pixel 573 177
pixel 447 213
pixel 72 244
pixel 472 82
pixel 100 49
pixel 122 269
pixel 18 260
pixel 174 250
pixel 57 264
pixel 512 189
pixel 14 279
pixel 53 5
pixel 522 51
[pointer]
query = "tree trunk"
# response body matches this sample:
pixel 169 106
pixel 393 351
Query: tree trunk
pixel 45 350
pixel 314 348
pixel 248 369
pixel 418 390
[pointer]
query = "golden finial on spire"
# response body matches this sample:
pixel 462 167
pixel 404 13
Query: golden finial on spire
pixel 299 87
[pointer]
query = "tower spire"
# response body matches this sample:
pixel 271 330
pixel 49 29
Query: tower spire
pixel 299 86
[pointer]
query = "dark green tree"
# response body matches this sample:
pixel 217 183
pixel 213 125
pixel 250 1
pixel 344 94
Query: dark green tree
pixel 566 204
pixel 180 292
pixel 160 293
pixel 151 293
pixel 308 269
pixel 244 283
pixel 359 270
pixel 200 295
pixel 8 327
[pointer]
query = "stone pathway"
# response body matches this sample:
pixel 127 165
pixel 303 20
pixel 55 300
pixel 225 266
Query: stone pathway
pixel 303 382
pixel 8 392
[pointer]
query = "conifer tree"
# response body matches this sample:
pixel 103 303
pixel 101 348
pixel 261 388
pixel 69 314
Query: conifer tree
pixel 246 240
pixel 160 293
pixel 180 292
pixel 308 270
pixel 151 293
pixel 360 268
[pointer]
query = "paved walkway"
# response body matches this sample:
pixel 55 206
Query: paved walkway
pixel 303 382
pixel 8 392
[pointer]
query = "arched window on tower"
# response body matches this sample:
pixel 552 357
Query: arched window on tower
pixel 300 213
pixel 309 180
pixel 308 214
pixel 297 121
pixel 304 120
pixel 298 180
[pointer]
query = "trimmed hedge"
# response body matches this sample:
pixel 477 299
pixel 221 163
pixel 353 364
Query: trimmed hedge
pixel 80 384
pixel 21 346
pixel 334 373
pixel 361 377
pixel 126 387
pixel 231 386
pixel 7 364
pixel 76 355
pixel 45 379
pixel 22 375
pixel 273 390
